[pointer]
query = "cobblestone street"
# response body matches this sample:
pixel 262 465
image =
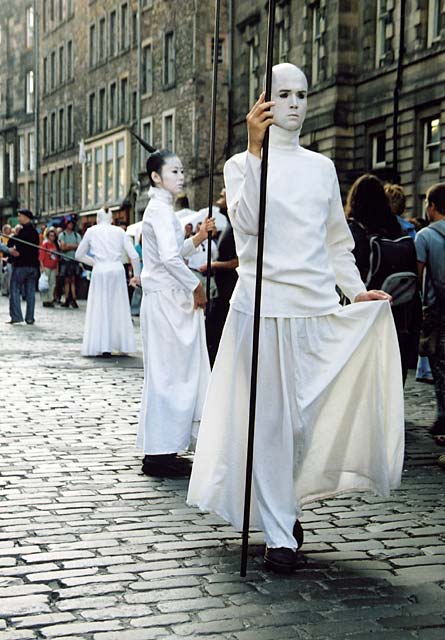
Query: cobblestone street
pixel 92 549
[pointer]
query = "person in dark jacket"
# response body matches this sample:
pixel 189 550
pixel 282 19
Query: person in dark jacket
pixel 369 213
pixel 25 269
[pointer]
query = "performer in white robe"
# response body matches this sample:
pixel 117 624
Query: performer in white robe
pixel 108 326
pixel 176 363
pixel 329 415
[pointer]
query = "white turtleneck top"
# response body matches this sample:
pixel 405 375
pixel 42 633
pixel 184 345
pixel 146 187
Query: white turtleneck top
pixel 308 245
pixel 163 246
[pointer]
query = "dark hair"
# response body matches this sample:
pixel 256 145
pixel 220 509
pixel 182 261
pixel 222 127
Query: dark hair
pixel 368 204
pixel 436 196
pixel 156 161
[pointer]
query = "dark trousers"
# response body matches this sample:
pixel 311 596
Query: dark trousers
pixel 23 279
pixel 437 363
pixel 215 321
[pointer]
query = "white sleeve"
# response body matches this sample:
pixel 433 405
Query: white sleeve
pixel 340 245
pixel 169 253
pixel 82 250
pixel 133 255
pixel 243 192
pixel 188 248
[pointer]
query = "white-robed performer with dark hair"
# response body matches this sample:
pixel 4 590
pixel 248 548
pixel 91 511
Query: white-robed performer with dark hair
pixel 176 363
pixel 108 327
pixel 329 415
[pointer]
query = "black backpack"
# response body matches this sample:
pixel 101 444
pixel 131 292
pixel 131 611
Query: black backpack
pixel 393 268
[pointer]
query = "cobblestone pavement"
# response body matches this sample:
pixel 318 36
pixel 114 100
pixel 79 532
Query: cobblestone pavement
pixel 92 549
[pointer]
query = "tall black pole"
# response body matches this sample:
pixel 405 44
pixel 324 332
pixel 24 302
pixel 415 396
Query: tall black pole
pixel 257 308
pixel 212 144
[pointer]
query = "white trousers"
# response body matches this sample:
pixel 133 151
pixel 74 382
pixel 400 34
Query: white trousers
pixel 329 416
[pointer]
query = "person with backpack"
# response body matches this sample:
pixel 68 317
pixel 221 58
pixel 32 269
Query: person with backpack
pixel 386 259
pixel 430 246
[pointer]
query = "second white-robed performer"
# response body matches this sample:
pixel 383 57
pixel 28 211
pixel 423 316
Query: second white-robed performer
pixel 108 326
pixel 330 400
pixel 176 363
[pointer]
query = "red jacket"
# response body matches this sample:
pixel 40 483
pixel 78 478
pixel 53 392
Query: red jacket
pixel 48 260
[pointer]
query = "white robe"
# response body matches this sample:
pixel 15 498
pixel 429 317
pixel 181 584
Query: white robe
pixel 108 326
pixel 176 364
pixel 329 415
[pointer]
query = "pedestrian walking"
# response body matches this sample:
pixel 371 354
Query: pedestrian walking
pixel 430 246
pixel 49 263
pixel 25 269
pixel 176 364
pixel 108 326
pixel 329 400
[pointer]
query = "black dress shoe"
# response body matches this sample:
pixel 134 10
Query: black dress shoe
pixel 74 304
pixel 106 354
pixel 281 560
pixel 30 321
pixel 166 466
pixel 14 322
pixel 298 533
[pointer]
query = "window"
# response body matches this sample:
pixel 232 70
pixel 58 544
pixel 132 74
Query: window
pixel 88 194
pixel 62 10
pixel 31 164
pixel 102 37
pixel 316 43
pixel 69 125
pixel 45 192
pixel 124 26
pixel 61 64
pixel 134 28
pixel 112 104
pixel 69 60
pixel 31 195
pixel 283 27
pixel 53 69
pixel 253 70
pixel 434 20
pixel 45 75
pixel 11 158
pixel 147 69
pixel 61 128
pixel 147 135
pixel 168 130
pixel 91 113
pixel 92 45
pixel 169 59
pixel 98 175
pixel 69 186
pixel 22 164
pixel 45 136
pixel 102 115
pixel 29 92
pixel 45 15
pixel 52 190
pixel 120 169
pixel 134 105
pixel 52 132
pixel 378 142
pixel 109 163
pixel 113 33
pixel 380 39
pixel 69 8
pixel 29 27
pixel 124 100
pixel 61 189
pixel 431 143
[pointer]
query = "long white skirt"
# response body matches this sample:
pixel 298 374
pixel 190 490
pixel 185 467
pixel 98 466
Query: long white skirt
pixel 329 416
pixel 108 326
pixel 176 372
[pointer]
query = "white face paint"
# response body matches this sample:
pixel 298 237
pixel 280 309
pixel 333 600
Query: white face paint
pixel 289 92
pixel 172 176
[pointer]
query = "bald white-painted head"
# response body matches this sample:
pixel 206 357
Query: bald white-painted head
pixel 289 92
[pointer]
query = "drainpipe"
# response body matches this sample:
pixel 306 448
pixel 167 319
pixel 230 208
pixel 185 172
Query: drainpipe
pixel 36 110
pixel 397 90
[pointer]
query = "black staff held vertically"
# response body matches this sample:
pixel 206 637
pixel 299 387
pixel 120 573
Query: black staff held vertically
pixel 257 308
pixel 212 144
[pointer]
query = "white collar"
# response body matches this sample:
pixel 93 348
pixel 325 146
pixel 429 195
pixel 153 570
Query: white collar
pixel 283 139
pixel 161 194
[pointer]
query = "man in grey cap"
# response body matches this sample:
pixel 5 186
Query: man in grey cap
pixel 25 270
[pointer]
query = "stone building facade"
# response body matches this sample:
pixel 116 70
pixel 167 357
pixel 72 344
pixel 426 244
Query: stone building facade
pixel 113 66
pixel 17 103
pixel 359 84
